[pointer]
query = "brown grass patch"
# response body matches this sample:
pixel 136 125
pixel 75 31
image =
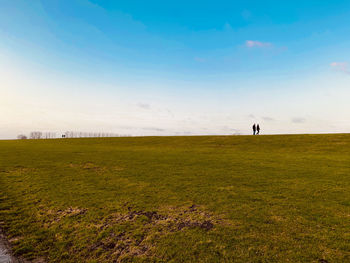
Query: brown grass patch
pixel 51 216
pixel 150 225
pixel 94 167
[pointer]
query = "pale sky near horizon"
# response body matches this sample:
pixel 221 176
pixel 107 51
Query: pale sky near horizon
pixel 174 67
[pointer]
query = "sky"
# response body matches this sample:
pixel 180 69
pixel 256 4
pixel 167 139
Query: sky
pixel 174 67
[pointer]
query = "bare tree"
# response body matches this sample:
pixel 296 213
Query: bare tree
pixel 21 137
pixel 36 135
pixel 49 135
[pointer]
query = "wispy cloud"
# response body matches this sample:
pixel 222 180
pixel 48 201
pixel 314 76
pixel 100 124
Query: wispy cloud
pixel 144 106
pixel 170 112
pixel 153 129
pixel 341 66
pixel 252 44
pixel 236 132
pixel 298 120
pixel 266 118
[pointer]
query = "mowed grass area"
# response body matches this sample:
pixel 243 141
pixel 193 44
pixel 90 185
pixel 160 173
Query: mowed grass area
pixel 178 199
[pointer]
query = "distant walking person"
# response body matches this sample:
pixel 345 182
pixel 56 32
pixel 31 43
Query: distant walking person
pixel 254 129
pixel 257 129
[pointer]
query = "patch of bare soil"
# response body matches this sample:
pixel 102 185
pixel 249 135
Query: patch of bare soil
pixel 18 169
pixel 134 233
pixel 154 226
pixel 89 166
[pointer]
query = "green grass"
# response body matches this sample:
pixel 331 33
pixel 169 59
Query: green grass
pixel 178 199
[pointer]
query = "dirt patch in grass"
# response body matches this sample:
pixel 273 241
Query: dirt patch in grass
pixel 90 166
pixel 18 169
pixel 132 233
pixel 149 226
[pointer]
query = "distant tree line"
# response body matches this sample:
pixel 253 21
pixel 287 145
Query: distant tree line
pixel 49 135
pixel 35 135
pixel 72 134
pixel 69 134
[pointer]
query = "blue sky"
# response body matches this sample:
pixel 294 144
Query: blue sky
pixel 174 67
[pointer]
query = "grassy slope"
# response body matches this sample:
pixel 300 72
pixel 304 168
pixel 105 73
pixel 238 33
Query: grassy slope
pixel 269 198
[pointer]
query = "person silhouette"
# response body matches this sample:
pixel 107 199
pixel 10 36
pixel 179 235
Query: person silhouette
pixel 254 129
pixel 257 129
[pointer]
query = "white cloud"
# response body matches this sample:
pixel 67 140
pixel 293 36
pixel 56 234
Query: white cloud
pixel 252 43
pixel 153 129
pixel 341 66
pixel 144 106
pixel 298 120
pixel 267 118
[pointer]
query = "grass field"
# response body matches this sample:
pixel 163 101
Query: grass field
pixel 178 199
